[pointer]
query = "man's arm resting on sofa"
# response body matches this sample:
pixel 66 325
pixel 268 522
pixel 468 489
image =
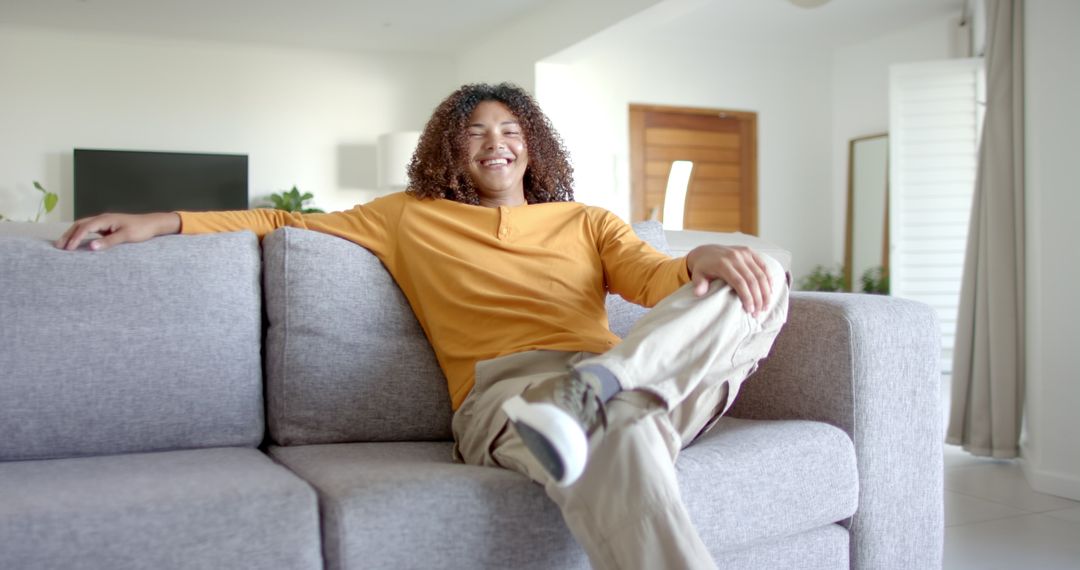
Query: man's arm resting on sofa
pixel 869 365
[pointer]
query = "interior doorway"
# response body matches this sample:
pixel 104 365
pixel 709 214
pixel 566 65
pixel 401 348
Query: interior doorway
pixel 721 145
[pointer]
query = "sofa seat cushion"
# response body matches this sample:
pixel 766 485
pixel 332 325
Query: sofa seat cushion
pixel 210 508
pixel 744 482
pixel 747 480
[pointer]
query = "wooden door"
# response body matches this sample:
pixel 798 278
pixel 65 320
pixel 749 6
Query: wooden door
pixel 722 193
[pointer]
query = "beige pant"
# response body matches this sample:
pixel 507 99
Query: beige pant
pixel 681 367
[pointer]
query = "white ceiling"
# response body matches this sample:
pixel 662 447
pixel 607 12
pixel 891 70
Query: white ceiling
pixel 839 22
pixel 446 26
pixel 759 24
pixel 369 25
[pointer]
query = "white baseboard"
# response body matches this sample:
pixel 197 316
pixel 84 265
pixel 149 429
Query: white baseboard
pixel 1053 483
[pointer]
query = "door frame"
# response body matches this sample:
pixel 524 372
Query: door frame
pixel 748 214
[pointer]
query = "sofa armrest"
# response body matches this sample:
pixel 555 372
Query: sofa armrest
pixel 869 365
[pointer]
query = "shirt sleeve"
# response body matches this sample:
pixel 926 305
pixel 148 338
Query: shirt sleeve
pixel 369 225
pixel 632 268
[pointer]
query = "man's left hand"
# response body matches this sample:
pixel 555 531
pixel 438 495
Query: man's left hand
pixel 740 267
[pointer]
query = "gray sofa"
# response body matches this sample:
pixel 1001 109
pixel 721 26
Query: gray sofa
pixel 214 402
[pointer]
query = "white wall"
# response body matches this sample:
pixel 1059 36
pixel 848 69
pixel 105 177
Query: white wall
pixel 860 104
pixel 1050 449
pixel 587 96
pixel 509 52
pixel 304 117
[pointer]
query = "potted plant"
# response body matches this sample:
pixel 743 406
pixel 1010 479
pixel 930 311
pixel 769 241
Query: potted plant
pixel 823 279
pixel 875 280
pixel 293 201
pixel 46 205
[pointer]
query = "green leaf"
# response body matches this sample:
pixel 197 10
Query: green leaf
pixel 292 201
pixel 50 201
pixel 824 279
pixel 38 186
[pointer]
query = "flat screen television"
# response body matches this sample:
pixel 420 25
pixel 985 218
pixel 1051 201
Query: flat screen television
pixel 138 182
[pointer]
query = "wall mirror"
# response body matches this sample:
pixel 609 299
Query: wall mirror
pixel 866 252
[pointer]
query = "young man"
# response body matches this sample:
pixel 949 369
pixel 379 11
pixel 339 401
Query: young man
pixel 508 276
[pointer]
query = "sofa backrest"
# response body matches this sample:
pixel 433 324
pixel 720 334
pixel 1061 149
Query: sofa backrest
pixel 142 347
pixel 346 359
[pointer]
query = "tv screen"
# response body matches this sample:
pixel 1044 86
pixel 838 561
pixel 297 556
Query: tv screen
pixel 137 182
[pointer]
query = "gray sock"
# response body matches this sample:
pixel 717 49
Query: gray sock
pixel 609 384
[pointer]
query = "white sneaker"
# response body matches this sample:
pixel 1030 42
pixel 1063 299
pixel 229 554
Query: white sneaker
pixel 554 420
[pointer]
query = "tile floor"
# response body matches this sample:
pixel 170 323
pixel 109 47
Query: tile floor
pixel 995 521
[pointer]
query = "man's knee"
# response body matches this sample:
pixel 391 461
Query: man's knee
pixel 778 276
pixel 779 282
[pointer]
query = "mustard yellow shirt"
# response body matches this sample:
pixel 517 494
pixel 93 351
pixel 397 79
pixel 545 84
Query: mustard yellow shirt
pixel 486 282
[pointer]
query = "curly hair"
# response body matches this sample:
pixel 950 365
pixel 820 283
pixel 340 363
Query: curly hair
pixel 439 167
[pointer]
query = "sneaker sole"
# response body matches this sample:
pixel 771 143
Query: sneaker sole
pixel 552 436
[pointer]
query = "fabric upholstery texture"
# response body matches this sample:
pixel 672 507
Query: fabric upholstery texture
pixel 346 359
pixel 868 365
pixel 407 505
pixel 207 508
pixel 743 482
pixel 156 346
pixel 823 548
pixel 123 351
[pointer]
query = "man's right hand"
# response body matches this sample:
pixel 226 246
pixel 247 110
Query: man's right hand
pixel 119 228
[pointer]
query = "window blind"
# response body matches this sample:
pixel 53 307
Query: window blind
pixel 935 118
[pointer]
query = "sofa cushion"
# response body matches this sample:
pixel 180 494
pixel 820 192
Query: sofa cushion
pixel 745 482
pixel 208 508
pixel 408 505
pixel 346 359
pixel 142 347
pixel 823 548
pixel 748 480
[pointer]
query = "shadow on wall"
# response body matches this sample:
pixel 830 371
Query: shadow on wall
pixel 356 167
pixel 19 200
pixel 60 166
pixel 14 203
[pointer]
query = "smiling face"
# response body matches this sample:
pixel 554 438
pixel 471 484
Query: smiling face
pixel 497 155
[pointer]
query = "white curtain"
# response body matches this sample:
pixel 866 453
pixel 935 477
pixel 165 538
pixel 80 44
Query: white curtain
pixel 988 359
